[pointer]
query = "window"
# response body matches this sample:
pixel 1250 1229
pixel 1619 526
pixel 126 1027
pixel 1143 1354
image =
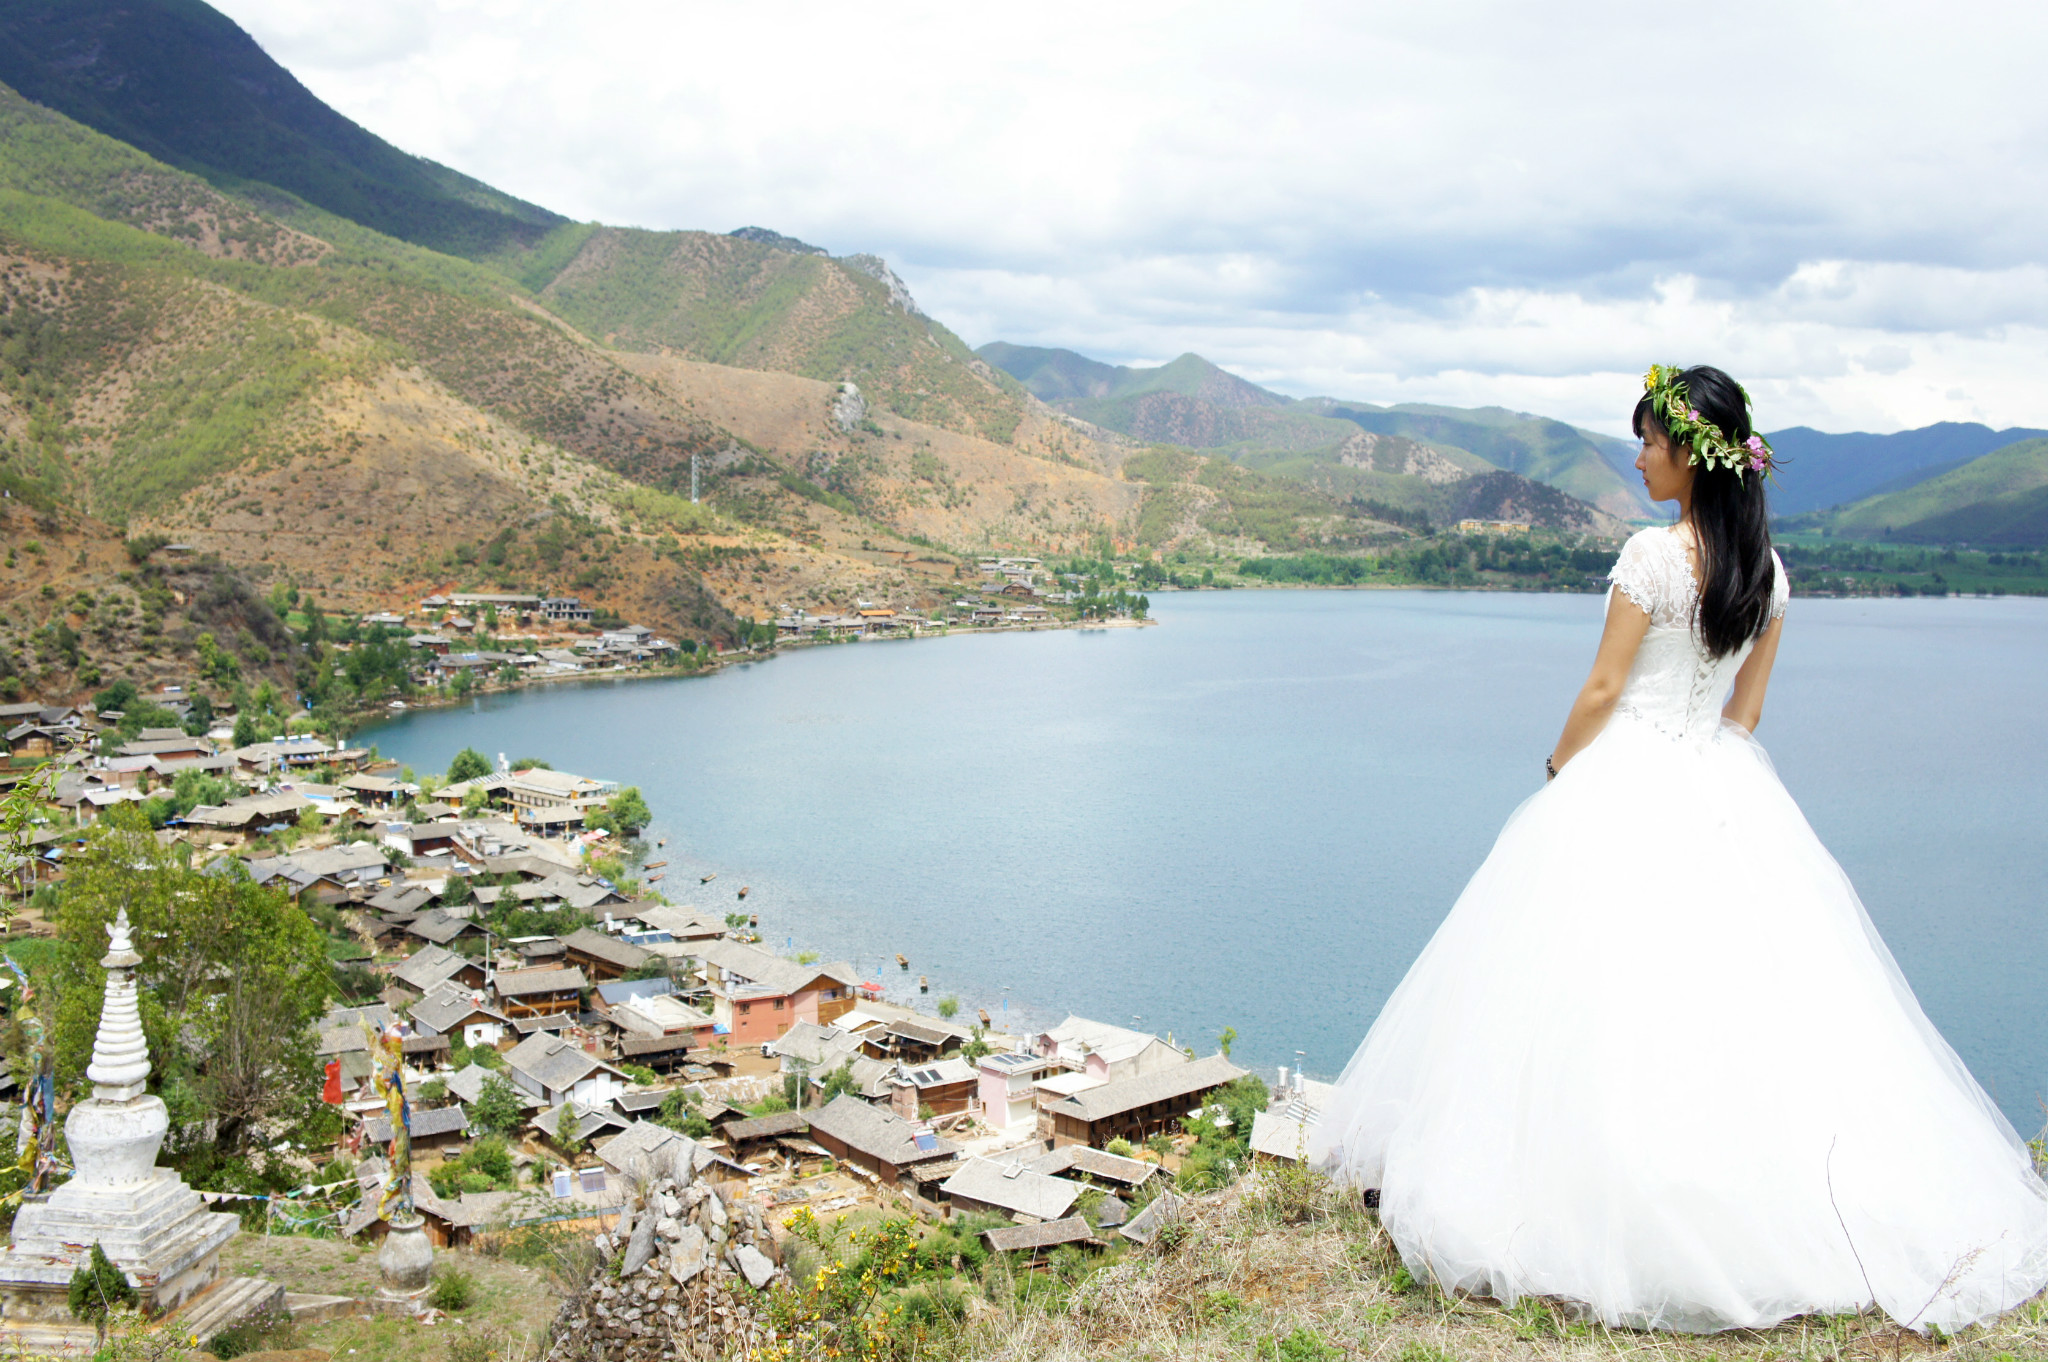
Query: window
pixel 593 1179
pixel 745 1008
pixel 778 1004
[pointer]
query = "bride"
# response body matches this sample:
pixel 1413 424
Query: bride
pixel 1657 1060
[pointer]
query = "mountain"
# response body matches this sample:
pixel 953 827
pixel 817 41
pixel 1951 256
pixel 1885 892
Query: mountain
pixel 1999 499
pixel 180 81
pixel 1823 470
pixel 1193 403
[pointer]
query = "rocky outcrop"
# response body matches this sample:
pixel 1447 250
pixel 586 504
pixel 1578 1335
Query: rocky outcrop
pixel 849 408
pixel 684 1278
pixel 1371 450
pixel 874 267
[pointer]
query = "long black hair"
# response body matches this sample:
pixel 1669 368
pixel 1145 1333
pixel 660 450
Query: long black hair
pixel 1729 518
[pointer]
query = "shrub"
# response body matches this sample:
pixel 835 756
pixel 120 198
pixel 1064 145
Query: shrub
pixel 453 1289
pixel 1121 1147
pixel 98 1289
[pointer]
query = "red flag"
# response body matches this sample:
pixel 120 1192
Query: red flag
pixel 332 1092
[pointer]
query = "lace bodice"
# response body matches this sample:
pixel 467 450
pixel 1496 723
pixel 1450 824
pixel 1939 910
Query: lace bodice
pixel 1674 685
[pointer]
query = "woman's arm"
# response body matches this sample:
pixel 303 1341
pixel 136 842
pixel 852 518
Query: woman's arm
pixel 1627 622
pixel 1746 702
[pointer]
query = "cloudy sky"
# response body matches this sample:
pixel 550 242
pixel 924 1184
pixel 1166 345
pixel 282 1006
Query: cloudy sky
pixel 1456 202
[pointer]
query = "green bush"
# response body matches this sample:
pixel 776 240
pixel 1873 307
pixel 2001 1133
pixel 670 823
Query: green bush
pixel 98 1289
pixel 453 1289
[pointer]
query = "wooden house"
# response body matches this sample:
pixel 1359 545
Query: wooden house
pixel 1135 1109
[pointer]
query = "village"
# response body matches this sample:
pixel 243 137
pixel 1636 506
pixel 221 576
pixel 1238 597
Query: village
pixel 569 1016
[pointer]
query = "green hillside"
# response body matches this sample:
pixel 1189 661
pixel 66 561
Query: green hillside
pixel 2000 498
pixel 160 332
pixel 179 80
pixel 739 300
pixel 1537 447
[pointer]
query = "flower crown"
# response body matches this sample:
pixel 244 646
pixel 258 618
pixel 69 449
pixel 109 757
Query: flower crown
pixel 1710 444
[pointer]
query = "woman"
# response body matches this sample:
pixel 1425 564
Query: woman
pixel 1657 1060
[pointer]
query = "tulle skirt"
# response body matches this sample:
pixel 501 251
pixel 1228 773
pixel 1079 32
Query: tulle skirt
pixel 1658 1062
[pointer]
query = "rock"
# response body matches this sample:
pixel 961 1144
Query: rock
pixel 689 1255
pixel 668 1227
pixel 849 409
pixel 639 1248
pixel 671 1205
pixel 754 1266
pixel 718 1211
pixel 693 1196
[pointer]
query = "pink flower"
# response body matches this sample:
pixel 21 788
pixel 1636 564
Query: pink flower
pixel 1758 464
pixel 1755 444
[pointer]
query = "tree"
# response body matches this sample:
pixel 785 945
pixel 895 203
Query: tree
pixel 840 1080
pixel 498 1109
pixel 1226 1040
pixel 531 764
pixel 565 1129
pixel 199 717
pixel 949 1007
pixel 625 813
pixel 977 1045
pixel 469 764
pixel 245 730
pixel 233 977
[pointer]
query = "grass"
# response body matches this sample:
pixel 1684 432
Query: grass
pixel 1288 1268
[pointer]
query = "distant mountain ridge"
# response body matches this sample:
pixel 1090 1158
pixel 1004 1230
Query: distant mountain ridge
pixel 1996 500
pixel 1193 403
pixel 1823 470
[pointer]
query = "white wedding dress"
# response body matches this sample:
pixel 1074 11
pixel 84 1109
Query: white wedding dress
pixel 1658 1062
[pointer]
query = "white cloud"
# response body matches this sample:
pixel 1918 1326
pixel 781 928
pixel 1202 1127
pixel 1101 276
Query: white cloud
pixel 1464 202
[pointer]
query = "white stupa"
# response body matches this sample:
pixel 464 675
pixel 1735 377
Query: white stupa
pixel 154 1227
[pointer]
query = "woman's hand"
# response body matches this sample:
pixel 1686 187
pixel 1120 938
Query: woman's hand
pixel 1627 623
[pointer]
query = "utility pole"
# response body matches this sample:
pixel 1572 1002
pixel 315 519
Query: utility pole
pixel 693 477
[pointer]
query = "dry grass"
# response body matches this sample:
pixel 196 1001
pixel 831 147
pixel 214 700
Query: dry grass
pixel 1286 1269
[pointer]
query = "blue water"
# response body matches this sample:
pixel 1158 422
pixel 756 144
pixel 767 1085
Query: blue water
pixel 1255 814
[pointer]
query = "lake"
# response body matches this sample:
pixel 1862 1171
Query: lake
pixel 1254 815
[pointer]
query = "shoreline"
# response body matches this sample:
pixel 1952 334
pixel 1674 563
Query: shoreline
pixel 364 718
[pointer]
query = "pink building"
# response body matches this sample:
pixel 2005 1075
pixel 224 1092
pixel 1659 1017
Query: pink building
pixel 1006 1094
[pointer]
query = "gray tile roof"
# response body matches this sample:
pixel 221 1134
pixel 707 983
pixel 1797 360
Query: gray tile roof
pixel 433 1121
pixel 642 1139
pixel 766 1127
pixel 771 971
pixel 1181 1080
pixel 522 983
pixel 447 1005
pixel 1166 1209
pixel 1009 1184
pixel 817 1045
pixel 430 966
pixel 402 898
pixel 588 1121
pixel 439 926
pixel 552 1062
pixel 1049 1234
pixel 1080 1160
pixel 879 1134
pixel 611 950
